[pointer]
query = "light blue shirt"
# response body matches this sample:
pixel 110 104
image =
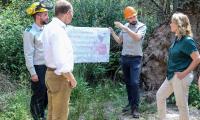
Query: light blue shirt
pixel 130 46
pixel 33 48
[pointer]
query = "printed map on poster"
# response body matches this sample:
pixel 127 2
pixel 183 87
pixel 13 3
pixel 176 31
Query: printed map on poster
pixel 91 45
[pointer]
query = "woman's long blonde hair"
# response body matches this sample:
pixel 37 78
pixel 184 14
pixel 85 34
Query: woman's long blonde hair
pixel 183 23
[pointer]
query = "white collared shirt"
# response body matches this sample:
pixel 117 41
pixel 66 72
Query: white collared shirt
pixel 58 52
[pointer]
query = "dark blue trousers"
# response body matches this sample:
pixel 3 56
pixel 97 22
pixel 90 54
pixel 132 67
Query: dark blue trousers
pixel 39 94
pixel 131 67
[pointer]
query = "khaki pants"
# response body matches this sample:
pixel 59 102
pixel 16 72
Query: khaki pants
pixel 180 89
pixel 58 90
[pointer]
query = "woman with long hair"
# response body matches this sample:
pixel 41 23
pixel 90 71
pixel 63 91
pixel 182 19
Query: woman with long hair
pixel 183 57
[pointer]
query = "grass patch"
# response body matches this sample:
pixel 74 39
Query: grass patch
pixel 100 102
pixel 90 103
pixel 15 107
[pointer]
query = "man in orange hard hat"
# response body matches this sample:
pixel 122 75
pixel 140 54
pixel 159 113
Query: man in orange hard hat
pixel 131 37
pixel 35 63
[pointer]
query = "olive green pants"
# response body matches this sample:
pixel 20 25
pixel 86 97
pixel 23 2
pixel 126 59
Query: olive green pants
pixel 58 90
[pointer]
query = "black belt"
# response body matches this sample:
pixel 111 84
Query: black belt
pixel 131 56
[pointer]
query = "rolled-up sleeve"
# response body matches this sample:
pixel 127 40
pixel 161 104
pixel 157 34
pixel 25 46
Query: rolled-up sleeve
pixel 189 47
pixel 28 44
pixel 142 31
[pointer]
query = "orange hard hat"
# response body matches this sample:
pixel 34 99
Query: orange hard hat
pixel 129 12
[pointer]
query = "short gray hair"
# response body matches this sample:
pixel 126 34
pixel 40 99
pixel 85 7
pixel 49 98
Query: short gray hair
pixel 62 7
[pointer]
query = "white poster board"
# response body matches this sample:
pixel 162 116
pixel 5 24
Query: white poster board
pixel 90 45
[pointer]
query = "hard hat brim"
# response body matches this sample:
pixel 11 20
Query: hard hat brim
pixel 133 15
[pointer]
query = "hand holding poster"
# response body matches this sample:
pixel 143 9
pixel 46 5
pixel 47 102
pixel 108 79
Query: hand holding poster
pixel 90 45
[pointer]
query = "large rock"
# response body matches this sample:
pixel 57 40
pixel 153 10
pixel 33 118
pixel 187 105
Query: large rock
pixel 156 53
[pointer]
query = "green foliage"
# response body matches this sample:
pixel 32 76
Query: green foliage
pixel 194 96
pixel 93 13
pixel 12 24
pixel 93 73
pixel 86 102
pixel 13 21
pixel 89 102
pixel 80 97
pixel 96 13
pixel 16 108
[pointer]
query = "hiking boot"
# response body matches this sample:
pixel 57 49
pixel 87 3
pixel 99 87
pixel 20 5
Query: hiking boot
pixel 126 108
pixel 135 113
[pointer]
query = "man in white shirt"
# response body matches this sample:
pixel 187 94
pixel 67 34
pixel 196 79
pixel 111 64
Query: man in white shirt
pixel 59 60
pixel 34 57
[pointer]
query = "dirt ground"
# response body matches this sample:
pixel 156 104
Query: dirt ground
pixel 172 114
pixel 172 110
pixel 150 112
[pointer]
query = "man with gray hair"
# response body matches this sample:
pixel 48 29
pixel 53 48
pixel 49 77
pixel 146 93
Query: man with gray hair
pixel 59 60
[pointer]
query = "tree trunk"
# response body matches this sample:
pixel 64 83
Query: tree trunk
pixel 156 53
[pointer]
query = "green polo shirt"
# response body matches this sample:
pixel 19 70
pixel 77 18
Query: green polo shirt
pixel 179 55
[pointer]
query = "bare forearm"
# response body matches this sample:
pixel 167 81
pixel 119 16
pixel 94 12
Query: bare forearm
pixel 132 34
pixel 116 38
pixel 135 36
pixel 192 66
